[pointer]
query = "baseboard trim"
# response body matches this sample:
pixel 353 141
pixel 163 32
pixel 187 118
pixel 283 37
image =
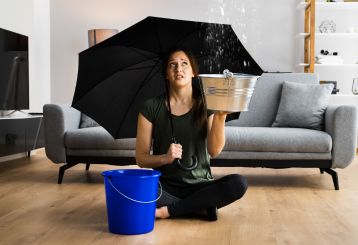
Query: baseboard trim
pixel 12 157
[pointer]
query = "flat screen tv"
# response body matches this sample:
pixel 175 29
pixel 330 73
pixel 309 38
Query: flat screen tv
pixel 14 71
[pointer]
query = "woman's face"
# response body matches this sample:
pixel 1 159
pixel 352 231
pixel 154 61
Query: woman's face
pixel 179 70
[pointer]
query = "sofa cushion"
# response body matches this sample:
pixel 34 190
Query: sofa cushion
pixel 266 98
pixel 303 105
pixel 96 138
pixel 262 139
pixel 87 122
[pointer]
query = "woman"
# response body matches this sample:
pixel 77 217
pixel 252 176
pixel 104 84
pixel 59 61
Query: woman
pixel 200 133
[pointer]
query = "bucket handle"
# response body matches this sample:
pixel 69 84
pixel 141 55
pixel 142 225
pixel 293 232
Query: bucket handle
pixel 133 200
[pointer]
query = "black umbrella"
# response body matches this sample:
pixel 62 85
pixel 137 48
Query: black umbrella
pixel 118 74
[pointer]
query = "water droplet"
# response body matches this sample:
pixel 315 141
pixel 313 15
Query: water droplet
pixel 222 11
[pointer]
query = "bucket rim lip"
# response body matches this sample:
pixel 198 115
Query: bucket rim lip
pixel 236 75
pixel 113 173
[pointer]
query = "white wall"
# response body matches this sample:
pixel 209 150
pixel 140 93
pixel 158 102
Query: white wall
pixel 14 18
pixel 267 29
pixel 31 18
pixel 40 92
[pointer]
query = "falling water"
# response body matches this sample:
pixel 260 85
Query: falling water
pixel 234 13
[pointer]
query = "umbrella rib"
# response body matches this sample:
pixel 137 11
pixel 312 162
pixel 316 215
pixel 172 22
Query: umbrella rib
pixel 130 65
pixel 136 68
pixel 136 93
pixel 127 68
pixel 159 42
pixel 136 50
pixel 180 41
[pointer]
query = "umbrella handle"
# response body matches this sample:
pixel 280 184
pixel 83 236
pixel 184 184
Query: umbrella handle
pixel 178 163
pixel 189 168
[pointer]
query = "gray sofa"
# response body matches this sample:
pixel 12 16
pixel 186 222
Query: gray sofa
pixel 251 141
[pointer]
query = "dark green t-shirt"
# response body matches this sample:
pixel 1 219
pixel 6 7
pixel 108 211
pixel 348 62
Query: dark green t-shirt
pixel 187 133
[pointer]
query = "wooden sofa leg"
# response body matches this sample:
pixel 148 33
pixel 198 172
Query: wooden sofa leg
pixel 334 176
pixel 62 170
pixel 87 166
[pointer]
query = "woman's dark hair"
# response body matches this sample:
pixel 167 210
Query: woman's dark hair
pixel 199 106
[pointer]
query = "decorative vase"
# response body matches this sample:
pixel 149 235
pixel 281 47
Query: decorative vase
pixel 355 86
pixel 327 26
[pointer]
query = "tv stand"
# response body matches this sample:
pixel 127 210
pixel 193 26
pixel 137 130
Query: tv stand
pixel 14 113
pixel 21 134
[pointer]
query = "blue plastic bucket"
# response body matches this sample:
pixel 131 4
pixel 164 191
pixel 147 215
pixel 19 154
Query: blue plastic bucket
pixel 131 196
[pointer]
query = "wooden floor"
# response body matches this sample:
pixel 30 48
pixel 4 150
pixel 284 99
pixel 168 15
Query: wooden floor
pixel 286 206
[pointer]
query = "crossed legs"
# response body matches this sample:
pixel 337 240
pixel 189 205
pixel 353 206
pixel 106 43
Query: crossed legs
pixel 203 196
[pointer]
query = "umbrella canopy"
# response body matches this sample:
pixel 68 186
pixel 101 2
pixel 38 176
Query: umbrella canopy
pixel 117 75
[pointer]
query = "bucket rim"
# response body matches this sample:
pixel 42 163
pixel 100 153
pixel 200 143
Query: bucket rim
pixel 121 173
pixel 236 75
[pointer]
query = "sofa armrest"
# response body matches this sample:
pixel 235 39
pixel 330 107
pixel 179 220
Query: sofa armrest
pixel 341 124
pixel 57 120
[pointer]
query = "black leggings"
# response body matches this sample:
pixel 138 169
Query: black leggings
pixel 217 193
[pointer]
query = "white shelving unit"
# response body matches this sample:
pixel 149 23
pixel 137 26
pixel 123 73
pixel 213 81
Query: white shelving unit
pixel 330 35
pixel 331 6
pixel 344 41
pixel 337 6
pixel 330 65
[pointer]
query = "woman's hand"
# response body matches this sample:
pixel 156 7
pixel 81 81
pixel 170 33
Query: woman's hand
pixel 221 114
pixel 143 155
pixel 174 151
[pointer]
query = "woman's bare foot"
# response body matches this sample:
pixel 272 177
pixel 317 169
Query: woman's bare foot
pixel 162 212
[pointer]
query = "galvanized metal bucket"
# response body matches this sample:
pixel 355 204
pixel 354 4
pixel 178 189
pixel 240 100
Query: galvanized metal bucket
pixel 228 92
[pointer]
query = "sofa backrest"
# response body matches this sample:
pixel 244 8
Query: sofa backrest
pixel 266 98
